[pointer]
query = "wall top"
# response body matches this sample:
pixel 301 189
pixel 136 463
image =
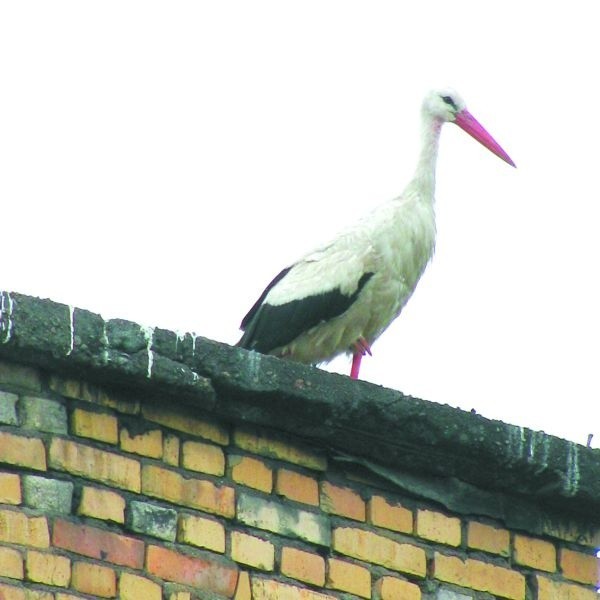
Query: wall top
pixel 453 453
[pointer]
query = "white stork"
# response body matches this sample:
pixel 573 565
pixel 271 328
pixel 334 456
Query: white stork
pixel 342 296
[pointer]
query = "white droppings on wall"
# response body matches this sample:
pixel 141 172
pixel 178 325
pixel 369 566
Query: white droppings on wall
pixel 105 343
pixel 6 308
pixel 149 337
pixel 72 328
pixel 573 474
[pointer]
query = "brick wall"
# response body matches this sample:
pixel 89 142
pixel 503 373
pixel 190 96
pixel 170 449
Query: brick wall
pixel 105 495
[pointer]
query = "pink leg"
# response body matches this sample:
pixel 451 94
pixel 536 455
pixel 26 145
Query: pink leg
pixel 361 347
pixel 356 358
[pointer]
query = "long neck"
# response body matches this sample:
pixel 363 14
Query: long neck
pixel 424 177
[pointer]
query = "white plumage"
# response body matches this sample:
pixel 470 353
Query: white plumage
pixel 342 296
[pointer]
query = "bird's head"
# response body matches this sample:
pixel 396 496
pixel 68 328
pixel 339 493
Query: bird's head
pixel 447 106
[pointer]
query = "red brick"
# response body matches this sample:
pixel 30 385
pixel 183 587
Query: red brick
pixel 102 504
pixel 94 579
pixel 99 544
pixel 22 451
pixel 251 472
pixel 480 576
pixel 535 553
pixel 10 488
pixel 11 564
pixel 133 587
pixel 584 568
pixel 390 588
pixel 488 538
pixel 97 426
pixel 48 568
pixel 342 501
pixel 437 527
pixel 18 528
pixel 304 566
pixel 381 513
pixel 295 486
pixel 202 573
pixel 206 458
pixel 348 577
pixel 92 463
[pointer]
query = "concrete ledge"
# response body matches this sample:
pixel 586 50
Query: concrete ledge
pixel 377 427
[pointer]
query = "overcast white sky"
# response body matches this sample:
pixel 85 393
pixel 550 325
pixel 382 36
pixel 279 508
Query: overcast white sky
pixel 162 161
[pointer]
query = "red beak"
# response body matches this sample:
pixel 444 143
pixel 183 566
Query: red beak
pixel 467 122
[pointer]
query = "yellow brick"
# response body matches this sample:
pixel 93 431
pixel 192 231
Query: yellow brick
pixel 572 532
pixel 201 532
pixel 535 553
pixel 186 423
pixel 554 590
pixel 342 501
pixel 95 580
pixel 265 589
pixel 251 472
pixel 437 527
pixel 97 426
pixel 10 592
pixel 95 464
pixel 18 528
pixel 243 591
pixel 171 450
pixel 390 588
pixel 252 551
pixel 83 390
pixel 348 577
pixel 257 443
pixel 10 488
pixel 304 566
pixel 149 443
pixel 380 550
pixel 133 587
pixel 22 451
pixel 488 538
pixel 205 458
pixel 61 596
pixel 11 563
pixel 298 487
pixel 480 576
pixel 196 493
pixel 180 596
pixel 102 504
pixel 48 568
pixel 584 568
pixel 381 513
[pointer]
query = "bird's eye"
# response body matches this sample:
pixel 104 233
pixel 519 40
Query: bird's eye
pixel 449 100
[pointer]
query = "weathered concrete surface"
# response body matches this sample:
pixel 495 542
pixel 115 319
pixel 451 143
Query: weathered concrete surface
pixel 378 427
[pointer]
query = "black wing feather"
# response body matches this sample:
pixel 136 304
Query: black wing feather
pixel 268 327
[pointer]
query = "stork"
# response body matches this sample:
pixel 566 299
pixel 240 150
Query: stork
pixel 340 297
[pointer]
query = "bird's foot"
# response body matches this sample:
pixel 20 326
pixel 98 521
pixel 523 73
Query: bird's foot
pixel 362 346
